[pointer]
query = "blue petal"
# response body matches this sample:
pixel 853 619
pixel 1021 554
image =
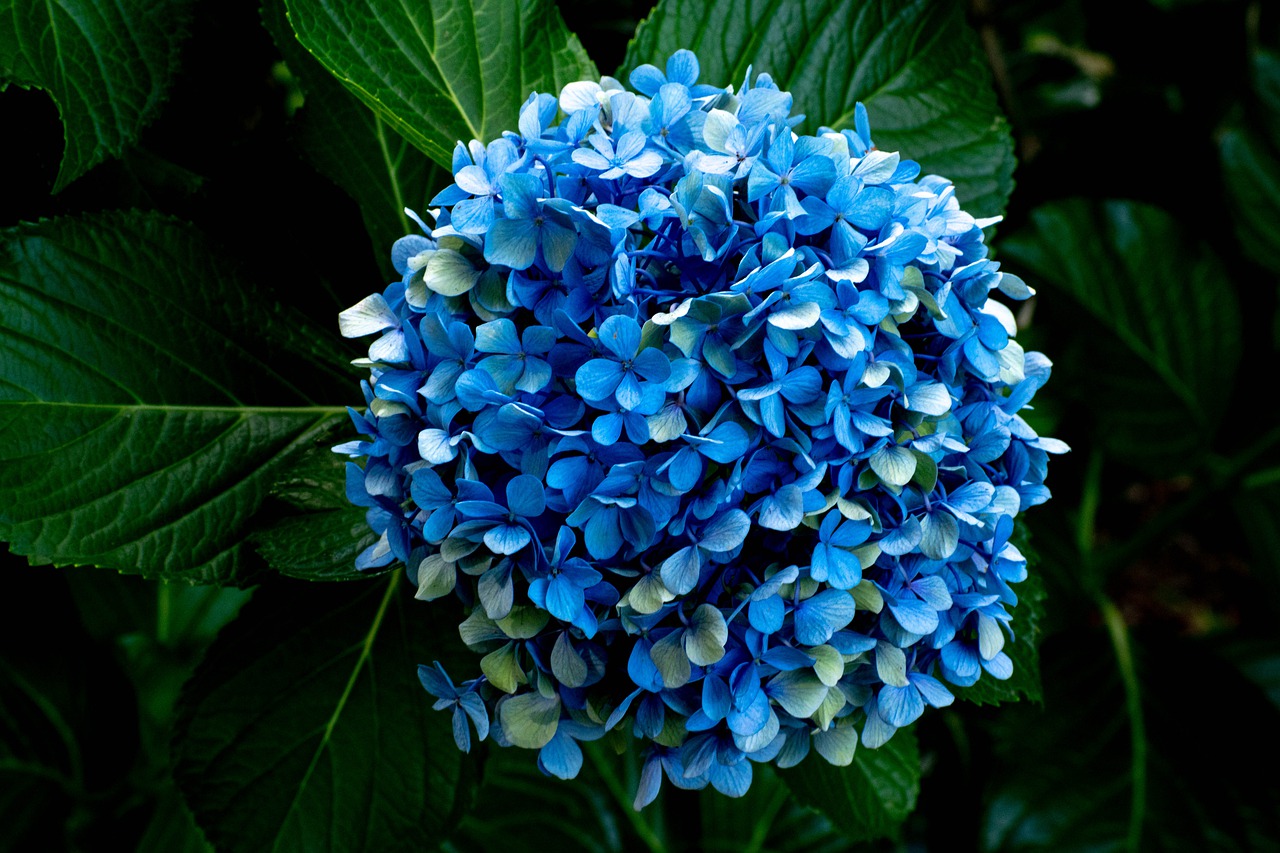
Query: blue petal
pixel 731 780
pixel 640 667
pixel 819 617
pixel 766 614
pixel 602 536
pixel 628 392
pixel 915 616
pixel 558 243
pixel 620 335
pixel 598 378
pixel 900 706
pixel 498 336
pixel 436 682
pixel 725 532
pixel 783 510
pixel 680 571
pixel 563 599
pixel 507 538
pixel 561 757
pixel 512 243
pixel 525 496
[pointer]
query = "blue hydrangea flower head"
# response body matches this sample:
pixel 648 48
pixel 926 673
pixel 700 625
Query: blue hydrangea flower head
pixel 712 428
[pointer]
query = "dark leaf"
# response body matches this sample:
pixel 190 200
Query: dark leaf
pixel 1065 777
pixel 107 66
pixel 517 801
pixel 443 71
pixel 149 396
pixel 323 533
pixel 306 729
pixel 917 66
pixel 768 818
pixel 354 147
pixel 1156 352
pixel 871 797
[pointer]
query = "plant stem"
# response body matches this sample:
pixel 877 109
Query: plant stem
pixel 1119 633
pixel 760 832
pixel 1091 494
pixel 164 613
pixel 637 819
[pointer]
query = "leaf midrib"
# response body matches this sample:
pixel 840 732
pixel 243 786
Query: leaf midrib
pixel 366 651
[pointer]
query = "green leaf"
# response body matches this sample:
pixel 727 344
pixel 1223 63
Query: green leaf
pixel 1257 507
pixel 69 739
pixel 1252 176
pixel 518 801
pixel 768 818
pixel 304 728
pixel 917 66
pixel 353 147
pixel 322 533
pixel 1249 151
pixel 442 71
pixel 1159 343
pixel 872 796
pixel 173 829
pixel 1063 774
pixel 107 66
pixel 148 398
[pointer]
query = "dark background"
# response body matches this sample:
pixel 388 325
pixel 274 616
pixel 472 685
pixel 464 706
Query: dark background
pixel 1116 99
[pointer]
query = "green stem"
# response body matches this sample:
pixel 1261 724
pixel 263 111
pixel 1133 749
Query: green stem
pixel 764 822
pixel 1119 633
pixel 637 819
pixel 164 613
pixel 1091 495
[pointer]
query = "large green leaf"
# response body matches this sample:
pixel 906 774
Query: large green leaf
pixel 322 533
pixel 1250 156
pixel 1159 343
pixel 766 818
pixel 440 71
pixel 353 146
pixel 68 729
pixel 518 807
pixel 872 796
pixel 148 397
pixel 1064 774
pixel 106 64
pixel 305 728
pixel 916 65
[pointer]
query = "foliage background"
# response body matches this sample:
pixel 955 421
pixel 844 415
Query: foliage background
pixel 1147 211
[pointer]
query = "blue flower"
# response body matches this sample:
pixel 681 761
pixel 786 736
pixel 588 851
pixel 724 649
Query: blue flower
pixel 562 590
pixel 477 185
pixel 517 363
pixel 528 227
pixel 505 529
pixel 751 400
pixel 789 166
pixel 466 705
pixel 619 376
pixel 627 157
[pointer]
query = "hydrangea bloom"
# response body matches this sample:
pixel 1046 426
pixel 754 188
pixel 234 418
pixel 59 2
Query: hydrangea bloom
pixel 712 428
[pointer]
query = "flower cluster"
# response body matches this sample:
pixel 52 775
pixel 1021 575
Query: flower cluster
pixel 712 427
